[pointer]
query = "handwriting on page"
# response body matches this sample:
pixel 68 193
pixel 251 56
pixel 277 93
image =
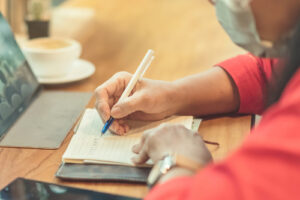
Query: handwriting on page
pixel 88 145
pixel 101 149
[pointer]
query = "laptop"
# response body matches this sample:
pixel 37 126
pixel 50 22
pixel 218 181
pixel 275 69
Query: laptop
pixel 30 116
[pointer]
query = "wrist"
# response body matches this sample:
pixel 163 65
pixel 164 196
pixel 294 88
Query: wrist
pixel 179 97
pixel 175 172
pixel 172 166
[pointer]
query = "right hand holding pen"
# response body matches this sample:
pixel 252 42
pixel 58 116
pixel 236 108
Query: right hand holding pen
pixel 150 100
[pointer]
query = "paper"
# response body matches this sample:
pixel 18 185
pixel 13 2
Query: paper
pixel 89 146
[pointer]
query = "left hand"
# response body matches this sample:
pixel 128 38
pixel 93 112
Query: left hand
pixel 169 139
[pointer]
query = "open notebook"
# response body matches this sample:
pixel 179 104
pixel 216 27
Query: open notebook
pixel 89 146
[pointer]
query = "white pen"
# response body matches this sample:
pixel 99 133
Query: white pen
pixel 144 65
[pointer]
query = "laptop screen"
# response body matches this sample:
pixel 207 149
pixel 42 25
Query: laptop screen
pixel 17 82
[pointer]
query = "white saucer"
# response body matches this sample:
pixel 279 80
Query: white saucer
pixel 81 69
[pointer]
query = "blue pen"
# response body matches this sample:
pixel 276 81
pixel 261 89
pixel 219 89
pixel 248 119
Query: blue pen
pixel 107 124
pixel 137 76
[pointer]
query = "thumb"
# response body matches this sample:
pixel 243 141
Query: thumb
pixel 127 106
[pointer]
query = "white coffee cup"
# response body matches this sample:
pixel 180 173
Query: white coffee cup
pixel 51 57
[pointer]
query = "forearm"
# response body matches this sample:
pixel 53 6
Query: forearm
pixel 210 92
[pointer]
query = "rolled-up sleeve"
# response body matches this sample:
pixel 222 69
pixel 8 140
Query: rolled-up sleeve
pixel 251 75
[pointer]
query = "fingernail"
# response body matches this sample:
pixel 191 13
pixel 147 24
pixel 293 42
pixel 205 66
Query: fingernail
pixel 135 149
pixel 115 110
pixel 134 159
pixel 127 128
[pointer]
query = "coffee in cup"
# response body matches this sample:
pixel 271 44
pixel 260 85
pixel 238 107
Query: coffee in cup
pixel 48 43
pixel 51 57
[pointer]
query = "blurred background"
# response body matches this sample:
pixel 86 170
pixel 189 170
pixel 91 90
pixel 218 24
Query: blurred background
pixel 116 34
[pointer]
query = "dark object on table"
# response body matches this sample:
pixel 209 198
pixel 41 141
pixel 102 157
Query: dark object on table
pixel 37 28
pixel 38 18
pixel 35 190
pixel 103 172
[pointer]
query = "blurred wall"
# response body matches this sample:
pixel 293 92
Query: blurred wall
pixel 185 35
pixel 14 12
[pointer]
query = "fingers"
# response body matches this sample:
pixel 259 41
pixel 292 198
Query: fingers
pixel 168 139
pixel 128 106
pixel 103 109
pixel 138 147
pixel 119 127
pixel 147 147
pixel 124 125
pixel 107 94
pixel 142 157
pixel 113 86
pixel 141 149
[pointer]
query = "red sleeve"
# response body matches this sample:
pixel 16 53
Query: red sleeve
pixel 266 166
pixel 250 74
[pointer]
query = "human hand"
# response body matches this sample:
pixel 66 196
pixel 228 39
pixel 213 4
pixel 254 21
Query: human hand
pixel 150 100
pixel 170 139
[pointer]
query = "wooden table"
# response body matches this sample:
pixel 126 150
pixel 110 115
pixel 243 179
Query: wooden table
pixel 186 38
pixel 42 164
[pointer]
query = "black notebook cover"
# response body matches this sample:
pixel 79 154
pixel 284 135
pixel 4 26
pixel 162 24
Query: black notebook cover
pixel 102 172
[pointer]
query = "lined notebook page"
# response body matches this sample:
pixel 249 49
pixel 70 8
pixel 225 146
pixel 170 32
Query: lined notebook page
pixel 90 149
pixel 88 145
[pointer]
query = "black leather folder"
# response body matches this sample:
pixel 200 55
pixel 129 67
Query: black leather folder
pixel 102 172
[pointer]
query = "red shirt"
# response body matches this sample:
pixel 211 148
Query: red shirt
pixel 267 165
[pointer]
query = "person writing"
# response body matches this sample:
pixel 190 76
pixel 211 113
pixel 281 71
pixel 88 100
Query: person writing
pixel 265 81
